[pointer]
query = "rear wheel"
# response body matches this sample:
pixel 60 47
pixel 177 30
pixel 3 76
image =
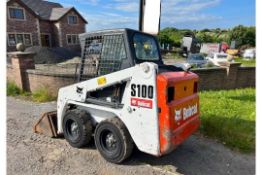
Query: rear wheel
pixel 113 140
pixel 77 128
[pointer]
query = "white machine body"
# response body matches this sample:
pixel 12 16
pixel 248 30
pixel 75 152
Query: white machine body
pixel 139 116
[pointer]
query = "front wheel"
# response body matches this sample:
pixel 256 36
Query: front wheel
pixel 77 128
pixel 113 140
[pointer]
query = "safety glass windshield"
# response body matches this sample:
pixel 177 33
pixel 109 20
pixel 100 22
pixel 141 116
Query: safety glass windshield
pixel 221 56
pixel 145 47
pixel 196 57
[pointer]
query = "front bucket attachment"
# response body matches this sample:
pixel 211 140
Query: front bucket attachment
pixel 47 124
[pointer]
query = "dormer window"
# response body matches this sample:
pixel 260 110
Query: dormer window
pixel 72 19
pixel 16 13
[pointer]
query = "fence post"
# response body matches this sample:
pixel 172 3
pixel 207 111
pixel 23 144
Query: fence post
pixel 232 70
pixel 21 61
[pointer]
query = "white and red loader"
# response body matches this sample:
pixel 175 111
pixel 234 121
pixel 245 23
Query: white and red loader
pixel 125 96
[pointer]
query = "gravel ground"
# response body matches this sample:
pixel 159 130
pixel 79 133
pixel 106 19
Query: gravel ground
pixel 29 153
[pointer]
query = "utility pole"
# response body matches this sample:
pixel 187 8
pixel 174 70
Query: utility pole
pixel 149 16
pixel 141 14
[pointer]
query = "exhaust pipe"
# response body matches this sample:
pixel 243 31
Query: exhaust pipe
pixel 47 124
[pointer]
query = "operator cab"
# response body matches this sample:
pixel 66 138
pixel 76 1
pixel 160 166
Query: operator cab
pixel 108 51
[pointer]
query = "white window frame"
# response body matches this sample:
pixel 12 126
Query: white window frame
pixel 76 19
pixel 14 33
pixel 14 7
pixel 77 39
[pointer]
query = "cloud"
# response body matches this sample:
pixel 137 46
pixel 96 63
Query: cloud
pixel 193 18
pixel 179 13
pixel 128 7
pixel 106 20
pixel 88 2
pixel 187 6
pixel 124 13
pixel 123 6
pixel 174 12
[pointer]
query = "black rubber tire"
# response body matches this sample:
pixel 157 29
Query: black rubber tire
pixel 124 143
pixel 82 121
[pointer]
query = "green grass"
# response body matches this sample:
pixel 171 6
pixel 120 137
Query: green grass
pixel 13 89
pixel 247 63
pixel 229 116
pixel 40 95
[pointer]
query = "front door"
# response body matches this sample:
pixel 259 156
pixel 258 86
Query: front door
pixel 46 40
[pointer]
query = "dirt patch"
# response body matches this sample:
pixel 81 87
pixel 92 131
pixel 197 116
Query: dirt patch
pixel 29 153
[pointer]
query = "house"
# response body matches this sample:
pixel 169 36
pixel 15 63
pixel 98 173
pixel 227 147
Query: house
pixel 43 23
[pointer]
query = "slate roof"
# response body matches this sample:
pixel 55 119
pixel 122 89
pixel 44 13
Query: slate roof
pixel 48 10
pixel 57 13
pixel 42 8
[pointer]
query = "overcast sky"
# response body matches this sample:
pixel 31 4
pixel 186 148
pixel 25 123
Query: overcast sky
pixel 191 14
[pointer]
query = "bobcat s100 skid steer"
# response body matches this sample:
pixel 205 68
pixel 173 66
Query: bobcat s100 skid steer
pixel 125 96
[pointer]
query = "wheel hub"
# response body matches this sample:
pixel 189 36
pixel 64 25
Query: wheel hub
pixel 74 129
pixel 111 140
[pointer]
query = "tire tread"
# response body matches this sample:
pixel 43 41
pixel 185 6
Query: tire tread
pixel 85 119
pixel 127 140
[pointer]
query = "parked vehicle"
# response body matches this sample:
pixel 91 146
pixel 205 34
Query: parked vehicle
pixel 207 48
pixel 249 53
pixel 190 44
pixel 218 59
pixel 232 52
pixel 197 60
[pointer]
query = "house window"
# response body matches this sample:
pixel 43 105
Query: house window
pixel 72 39
pixel 19 38
pixel 11 40
pixel 16 13
pixel 14 39
pixel 72 19
pixel 27 39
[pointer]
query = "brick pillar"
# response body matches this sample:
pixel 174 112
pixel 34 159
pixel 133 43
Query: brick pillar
pixel 21 61
pixel 231 79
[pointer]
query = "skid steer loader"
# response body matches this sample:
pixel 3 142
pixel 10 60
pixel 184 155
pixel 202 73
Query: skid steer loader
pixel 125 96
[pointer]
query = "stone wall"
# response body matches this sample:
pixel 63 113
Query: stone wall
pixel 211 78
pixel 22 72
pixel 21 62
pixel 231 77
pixel 52 82
pixel 246 77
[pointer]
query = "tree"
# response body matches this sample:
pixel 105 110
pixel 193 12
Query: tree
pixel 204 37
pixel 164 38
pixel 171 36
pixel 243 35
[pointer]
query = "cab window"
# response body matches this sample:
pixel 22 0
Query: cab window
pixel 145 47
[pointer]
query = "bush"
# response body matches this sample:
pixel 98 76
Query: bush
pixel 42 95
pixel 209 64
pixel 13 89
